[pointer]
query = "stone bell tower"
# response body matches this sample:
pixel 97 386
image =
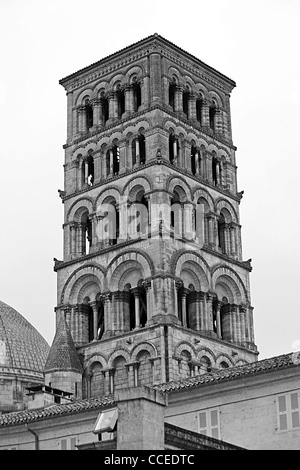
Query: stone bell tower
pixel 152 283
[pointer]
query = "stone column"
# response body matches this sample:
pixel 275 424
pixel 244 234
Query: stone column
pixel 82 124
pixel 128 91
pixel 209 311
pixel 218 318
pixel 107 300
pixel 205 114
pixel 95 319
pixel 111 162
pixel 185 292
pixel 242 315
pixel 73 229
pixel 192 106
pixel 107 382
pixel 97 111
pixel 137 307
pixel 188 220
pixel 232 240
pixel 235 323
pixel 147 287
pixel 178 98
pixel 113 106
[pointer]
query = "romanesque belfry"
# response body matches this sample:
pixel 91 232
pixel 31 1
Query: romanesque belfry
pixel 152 286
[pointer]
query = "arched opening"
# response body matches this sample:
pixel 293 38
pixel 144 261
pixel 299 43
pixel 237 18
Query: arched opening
pixel 89 115
pixel 191 311
pixel 175 213
pixel 120 375
pixel 173 148
pixel 224 365
pixel 214 312
pixel 89 170
pixel 212 115
pixel 101 323
pixel 121 102
pixel 185 102
pixel 205 365
pixel 89 316
pixel 221 233
pixel 172 89
pixel 137 306
pixel 215 170
pixel 86 234
pixel 137 96
pixel 143 305
pixel 113 219
pixel 145 368
pixel 199 106
pixel 105 108
pixel 185 370
pixel 116 159
pixel 193 159
pixel 142 146
pixel 97 380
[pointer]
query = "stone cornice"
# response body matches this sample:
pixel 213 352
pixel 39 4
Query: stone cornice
pixel 140 49
pixel 109 129
pixel 243 264
pixel 162 162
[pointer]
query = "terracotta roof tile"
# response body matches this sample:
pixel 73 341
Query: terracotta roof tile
pixel 231 373
pixel 19 417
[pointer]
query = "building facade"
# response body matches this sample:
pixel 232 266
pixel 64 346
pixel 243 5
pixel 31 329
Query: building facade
pixel 152 284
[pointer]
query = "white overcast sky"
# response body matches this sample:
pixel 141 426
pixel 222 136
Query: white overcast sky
pixel 256 43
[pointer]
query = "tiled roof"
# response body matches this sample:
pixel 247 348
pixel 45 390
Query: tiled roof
pixel 266 365
pixel 63 354
pixel 22 417
pixel 22 347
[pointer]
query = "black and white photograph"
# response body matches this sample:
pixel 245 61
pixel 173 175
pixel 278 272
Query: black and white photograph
pixel 150 227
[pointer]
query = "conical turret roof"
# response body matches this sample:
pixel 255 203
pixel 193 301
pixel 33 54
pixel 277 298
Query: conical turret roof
pixel 63 355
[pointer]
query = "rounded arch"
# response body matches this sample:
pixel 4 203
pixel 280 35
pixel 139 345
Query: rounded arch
pixel 225 213
pixel 85 94
pixel 195 262
pixel 112 192
pixel 174 181
pixel 143 181
pixel 95 358
pixel 212 95
pixel 145 346
pixel 202 193
pixel 223 204
pixel 223 358
pixel 227 279
pixel 117 266
pixel 184 346
pixel 96 272
pixel 206 352
pixel 192 273
pixel 87 286
pixel 118 352
pixel 84 202
pixel 137 72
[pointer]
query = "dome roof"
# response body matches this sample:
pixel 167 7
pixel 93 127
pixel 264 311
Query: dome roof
pixel 21 345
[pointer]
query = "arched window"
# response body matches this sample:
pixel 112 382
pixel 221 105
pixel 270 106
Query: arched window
pixel 89 170
pixel 173 148
pixel 139 150
pixel 224 365
pixel 89 115
pixel 120 375
pixel 137 306
pixel 175 219
pixel 212 114
pixel 194 154
pixel 137 96
pixel 172 89
pixel 199 106
pixel 205 365
pixel 101 322
pixel 105 108
pixel 121 102
pixel 221 233
pixel 116 159
pixel 142 149
pixel 185 102
pixel 97 380
pixel 215 170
